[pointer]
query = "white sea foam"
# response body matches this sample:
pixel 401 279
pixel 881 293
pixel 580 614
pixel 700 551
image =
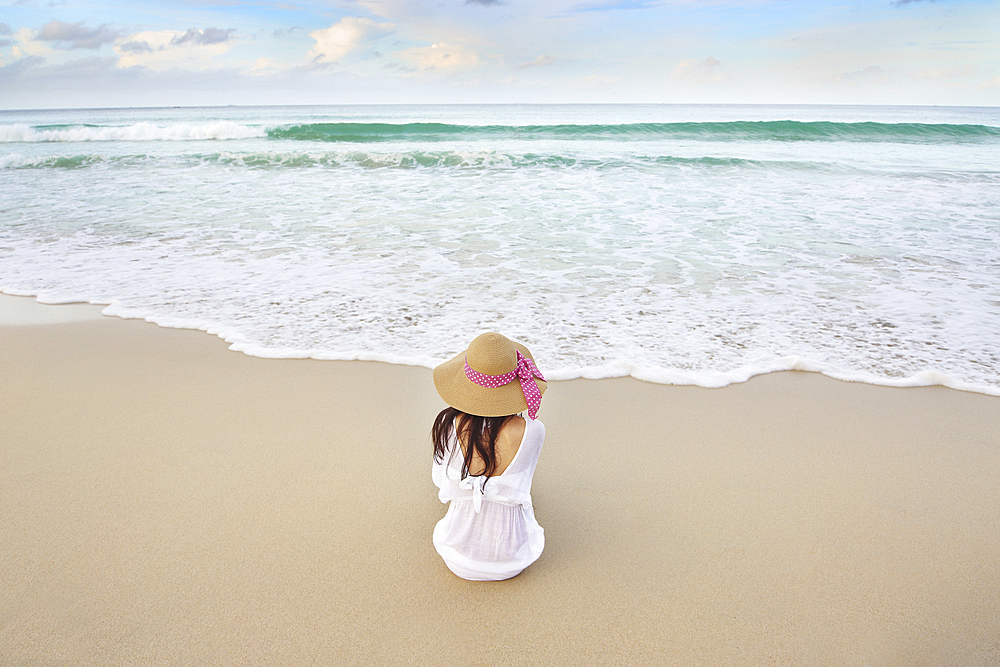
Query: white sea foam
pixel 239 343
pixel 13 160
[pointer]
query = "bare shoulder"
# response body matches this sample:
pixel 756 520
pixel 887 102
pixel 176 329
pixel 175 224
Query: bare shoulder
pixel 513 429
pixel 508 442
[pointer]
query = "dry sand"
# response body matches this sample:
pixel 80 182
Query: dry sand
pixel 165 501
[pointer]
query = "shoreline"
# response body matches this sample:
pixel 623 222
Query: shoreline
pixel 19 309
pixel 166 502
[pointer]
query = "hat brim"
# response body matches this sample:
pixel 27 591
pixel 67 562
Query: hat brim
pixel 461 393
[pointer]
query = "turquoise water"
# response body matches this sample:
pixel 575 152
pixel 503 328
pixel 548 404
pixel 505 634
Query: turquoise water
pixel 720 131
pixel 684 244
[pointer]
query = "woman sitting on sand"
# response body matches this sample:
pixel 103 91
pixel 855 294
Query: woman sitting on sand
pixel 484 458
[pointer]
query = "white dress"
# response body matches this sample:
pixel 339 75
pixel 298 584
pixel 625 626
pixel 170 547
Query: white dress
pixel 489 532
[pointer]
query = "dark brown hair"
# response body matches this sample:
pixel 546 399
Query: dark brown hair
pixel 478 433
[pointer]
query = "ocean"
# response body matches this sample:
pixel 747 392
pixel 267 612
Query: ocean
pixel 681 244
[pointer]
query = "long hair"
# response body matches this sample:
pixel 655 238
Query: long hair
pixel 479 434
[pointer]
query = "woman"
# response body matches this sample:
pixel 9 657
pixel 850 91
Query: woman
pixel 484 457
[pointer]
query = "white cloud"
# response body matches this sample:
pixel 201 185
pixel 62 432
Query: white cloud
pixel 699 71
pixel 349 34
pixel 164 49
pixel 600 80
pixel 386 8
pixel 29 44
pixel 945 72
pixel 871 74
pixel 265 66
pixel 440 56
pixel 540 61
pixel 991 84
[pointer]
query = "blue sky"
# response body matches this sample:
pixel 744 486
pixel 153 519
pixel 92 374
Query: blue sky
pixel 64 53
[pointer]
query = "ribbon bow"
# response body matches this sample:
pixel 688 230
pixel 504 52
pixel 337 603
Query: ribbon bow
pixel 474 483
pixel 526 372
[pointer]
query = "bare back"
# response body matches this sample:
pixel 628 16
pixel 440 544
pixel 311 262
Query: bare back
pixel 508 441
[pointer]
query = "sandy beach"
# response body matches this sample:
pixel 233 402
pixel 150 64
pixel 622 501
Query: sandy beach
pixel 166 501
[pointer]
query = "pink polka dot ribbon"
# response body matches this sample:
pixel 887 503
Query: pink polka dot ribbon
pixel 525 372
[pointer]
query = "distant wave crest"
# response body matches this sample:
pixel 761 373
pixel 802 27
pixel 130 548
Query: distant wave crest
pixel 22 133
pixel 734 131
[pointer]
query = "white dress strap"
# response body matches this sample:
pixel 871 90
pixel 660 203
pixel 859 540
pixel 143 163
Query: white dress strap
pixel 475 484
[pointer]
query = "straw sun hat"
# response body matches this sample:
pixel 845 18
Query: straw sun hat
pixel 495 377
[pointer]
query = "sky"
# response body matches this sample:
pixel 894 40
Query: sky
pixel 94 53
